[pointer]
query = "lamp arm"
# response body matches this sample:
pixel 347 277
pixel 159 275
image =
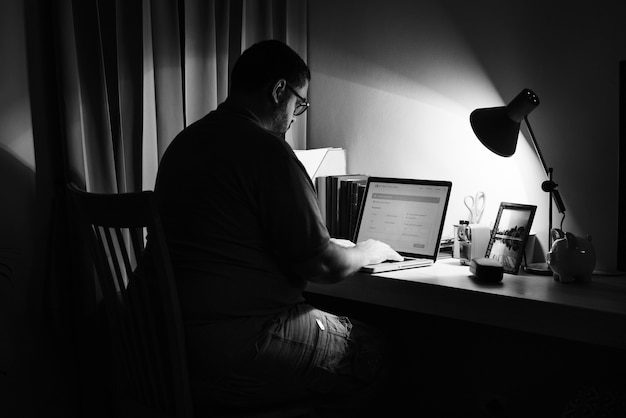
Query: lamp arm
pixel 548 185
pixel 536 146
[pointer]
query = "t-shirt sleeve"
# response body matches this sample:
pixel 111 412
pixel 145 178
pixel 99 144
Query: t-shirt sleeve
pixel 291 214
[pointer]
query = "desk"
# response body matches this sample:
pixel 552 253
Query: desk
pixel 592 312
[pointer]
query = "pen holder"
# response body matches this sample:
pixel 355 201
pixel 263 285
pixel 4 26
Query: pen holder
pixel 460 235
pixel 473 242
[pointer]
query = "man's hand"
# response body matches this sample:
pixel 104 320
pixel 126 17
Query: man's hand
pixel 377 252
pixel 343 242
pixel 342 258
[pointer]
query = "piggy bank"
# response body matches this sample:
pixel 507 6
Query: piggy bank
pixel 571 258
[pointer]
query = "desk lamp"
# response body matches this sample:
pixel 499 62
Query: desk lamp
pixel 498 129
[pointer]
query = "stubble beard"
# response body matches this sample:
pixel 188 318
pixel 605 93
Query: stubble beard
pixel 281 121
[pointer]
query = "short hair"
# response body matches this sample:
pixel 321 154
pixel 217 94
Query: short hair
pixel 267 62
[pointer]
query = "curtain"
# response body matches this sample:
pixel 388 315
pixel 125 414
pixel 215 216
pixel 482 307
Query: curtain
pixel 134 73
pixel 111 83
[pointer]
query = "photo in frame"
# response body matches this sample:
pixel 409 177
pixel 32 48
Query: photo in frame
pixel 510 235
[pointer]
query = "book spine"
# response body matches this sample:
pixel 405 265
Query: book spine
pixel 358 193
pixel 340 204
pixel 320 187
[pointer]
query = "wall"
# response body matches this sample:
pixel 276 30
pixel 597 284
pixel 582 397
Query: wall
pixel 31 374
pixel 394 83
pixel 17 193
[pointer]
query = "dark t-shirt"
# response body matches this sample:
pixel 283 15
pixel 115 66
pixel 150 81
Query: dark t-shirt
pixel 237 208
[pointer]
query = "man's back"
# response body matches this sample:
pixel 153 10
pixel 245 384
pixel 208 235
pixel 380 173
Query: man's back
pixel 237 207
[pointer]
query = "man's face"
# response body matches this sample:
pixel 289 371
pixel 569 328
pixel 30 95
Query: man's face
pixel 283 116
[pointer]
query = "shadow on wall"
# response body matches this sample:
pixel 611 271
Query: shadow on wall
pixel 17 211
pixel 17 207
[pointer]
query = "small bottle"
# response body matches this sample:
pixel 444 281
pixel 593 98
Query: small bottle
pixel 465 242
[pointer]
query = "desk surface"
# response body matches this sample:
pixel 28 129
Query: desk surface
pixel 592 312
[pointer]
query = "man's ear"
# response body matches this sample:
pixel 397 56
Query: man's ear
pixel 278 91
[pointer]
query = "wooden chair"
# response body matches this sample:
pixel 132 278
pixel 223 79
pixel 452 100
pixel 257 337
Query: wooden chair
pixel 143 310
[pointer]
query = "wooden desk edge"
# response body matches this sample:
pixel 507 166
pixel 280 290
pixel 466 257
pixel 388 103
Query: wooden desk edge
pixel 562 311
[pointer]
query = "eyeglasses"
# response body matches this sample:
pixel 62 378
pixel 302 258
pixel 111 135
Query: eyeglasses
pixel 301 107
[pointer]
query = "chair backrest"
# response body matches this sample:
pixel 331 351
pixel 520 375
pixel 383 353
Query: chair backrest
pixel 140 298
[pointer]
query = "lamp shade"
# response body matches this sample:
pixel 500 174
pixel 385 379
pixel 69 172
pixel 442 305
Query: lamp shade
pixel 498 127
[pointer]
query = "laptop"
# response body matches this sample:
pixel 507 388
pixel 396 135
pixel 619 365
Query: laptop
pixel 406 214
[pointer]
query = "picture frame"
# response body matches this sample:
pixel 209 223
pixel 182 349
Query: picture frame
pixel 510 235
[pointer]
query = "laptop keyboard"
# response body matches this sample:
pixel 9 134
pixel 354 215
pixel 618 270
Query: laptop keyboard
pixel 399 261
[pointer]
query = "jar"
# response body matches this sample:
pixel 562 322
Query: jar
pixel 465 242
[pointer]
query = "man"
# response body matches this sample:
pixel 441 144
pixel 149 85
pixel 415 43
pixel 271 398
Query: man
pixel 245 234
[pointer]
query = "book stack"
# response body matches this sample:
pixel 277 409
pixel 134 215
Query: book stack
pixel 340 198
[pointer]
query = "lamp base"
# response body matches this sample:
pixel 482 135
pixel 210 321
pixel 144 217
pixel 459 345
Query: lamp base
pixel 541 269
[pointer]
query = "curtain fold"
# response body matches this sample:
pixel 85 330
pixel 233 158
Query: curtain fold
pixel 168 70
pixel 135 73
pixel 129 37
pixel 201 56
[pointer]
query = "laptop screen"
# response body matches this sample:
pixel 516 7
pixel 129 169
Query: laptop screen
pixel 406 214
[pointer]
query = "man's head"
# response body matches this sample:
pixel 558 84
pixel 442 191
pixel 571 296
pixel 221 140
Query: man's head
pixel 275 74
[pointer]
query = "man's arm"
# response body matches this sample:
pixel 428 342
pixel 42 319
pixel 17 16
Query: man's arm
pixel 339 260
